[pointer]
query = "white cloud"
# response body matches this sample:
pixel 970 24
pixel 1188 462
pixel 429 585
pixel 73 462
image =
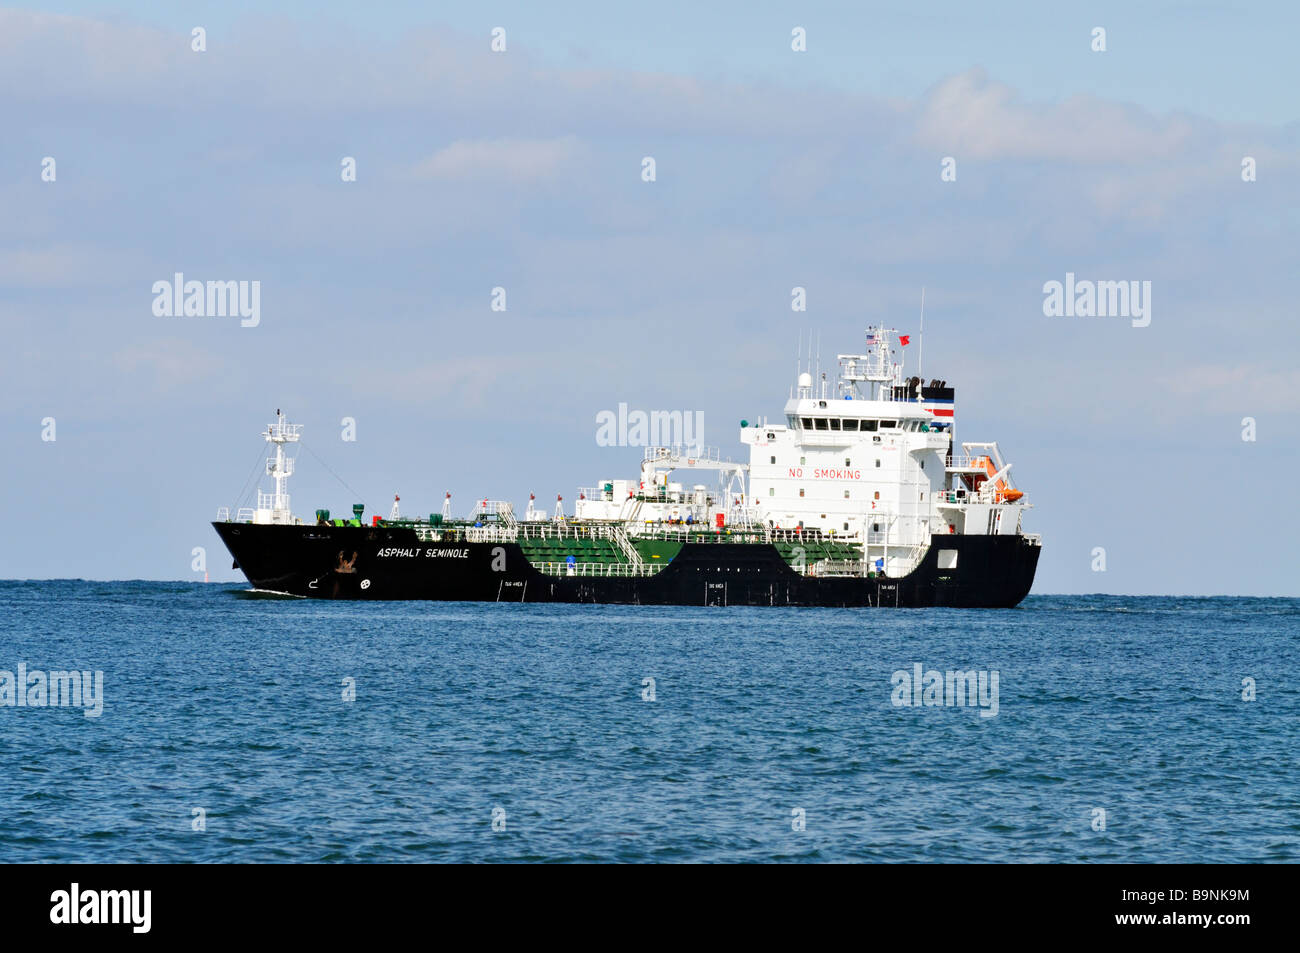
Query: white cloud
pixel 968 115
pixel 512 160
pixel 49 56
pixel 167 363
pixel 63 265
pixel 1253 388
pixel 463 382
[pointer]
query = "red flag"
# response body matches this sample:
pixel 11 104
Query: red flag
pixel 903 339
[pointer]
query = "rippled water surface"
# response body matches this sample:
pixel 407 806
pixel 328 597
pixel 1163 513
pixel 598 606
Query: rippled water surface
pixel 234 705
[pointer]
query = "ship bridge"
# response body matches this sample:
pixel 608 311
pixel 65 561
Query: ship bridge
pixel 869 458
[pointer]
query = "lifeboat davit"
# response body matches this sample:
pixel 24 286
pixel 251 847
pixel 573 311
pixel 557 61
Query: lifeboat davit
pixel 1004 493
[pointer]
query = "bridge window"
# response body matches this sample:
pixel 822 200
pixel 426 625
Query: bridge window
pixel 868 425
pixel 806 422
pixel 835 423
pixel 884 424
pixel 851 423
pixel 819 423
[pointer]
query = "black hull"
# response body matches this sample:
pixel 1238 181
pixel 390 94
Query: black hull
pixel 993 572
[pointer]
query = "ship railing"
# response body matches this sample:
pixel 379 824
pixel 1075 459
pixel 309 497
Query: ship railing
pixel 245 515
pixel 223 514
pixel 694 455
pixel 735 534
pixel 744 516
pixel 832 567
pixel 701 535
pixel 285 430
pixel 503 511
pixel 807 536
pixel 566 531
pixel 491 534
pixel 625 545
pixel 974 460
pixel 987 493
pixel 597 569
pixel 282 468
pixel 911 558
pixel 273 501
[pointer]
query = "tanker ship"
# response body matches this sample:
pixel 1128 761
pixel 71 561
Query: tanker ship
pixel 857 496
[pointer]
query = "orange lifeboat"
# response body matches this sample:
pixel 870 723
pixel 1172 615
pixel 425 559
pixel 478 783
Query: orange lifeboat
pixel 1004 493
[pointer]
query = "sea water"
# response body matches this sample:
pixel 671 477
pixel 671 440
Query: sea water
pixel 238 728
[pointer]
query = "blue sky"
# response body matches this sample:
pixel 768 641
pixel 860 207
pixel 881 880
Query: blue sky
pixel 522 170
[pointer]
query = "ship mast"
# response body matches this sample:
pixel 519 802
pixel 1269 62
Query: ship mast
pixel 874 368
pixel 274 507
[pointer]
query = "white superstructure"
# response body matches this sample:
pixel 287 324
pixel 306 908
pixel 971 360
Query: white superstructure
pixel 868 459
